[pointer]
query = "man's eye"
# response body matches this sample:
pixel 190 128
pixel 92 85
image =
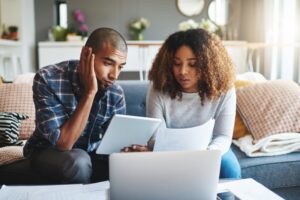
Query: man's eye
pixel 121 67
pixel 107 63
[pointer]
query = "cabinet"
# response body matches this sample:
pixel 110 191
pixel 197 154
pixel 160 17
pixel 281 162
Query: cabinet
pixel 139 57
pixel 140 54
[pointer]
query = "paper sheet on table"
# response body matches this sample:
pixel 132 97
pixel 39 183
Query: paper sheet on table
pixel 184 139
pixel 248 189
pixel 56 192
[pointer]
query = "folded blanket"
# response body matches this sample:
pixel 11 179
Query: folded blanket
pixel 278 144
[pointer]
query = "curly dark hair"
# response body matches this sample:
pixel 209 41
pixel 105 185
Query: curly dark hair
pixel 213 62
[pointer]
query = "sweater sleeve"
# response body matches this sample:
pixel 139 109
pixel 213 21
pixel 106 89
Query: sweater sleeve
pixel 154 109
pixel 224 123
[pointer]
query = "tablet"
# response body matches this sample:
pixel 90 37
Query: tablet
pixel 125 130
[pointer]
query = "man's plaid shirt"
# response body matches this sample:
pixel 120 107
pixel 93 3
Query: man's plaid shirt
pixel 56 93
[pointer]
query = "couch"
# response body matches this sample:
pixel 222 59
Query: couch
pixel 281 173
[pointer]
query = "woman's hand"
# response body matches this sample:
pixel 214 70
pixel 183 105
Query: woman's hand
pixel 86 71
pixel 135 148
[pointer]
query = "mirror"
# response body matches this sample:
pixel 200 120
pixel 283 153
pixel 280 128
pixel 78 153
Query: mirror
pixel 190 7
pixel 218 12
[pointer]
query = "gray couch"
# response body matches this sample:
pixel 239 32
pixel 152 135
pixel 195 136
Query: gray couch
pixel 279 173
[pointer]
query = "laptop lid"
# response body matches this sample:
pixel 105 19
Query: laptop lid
pixel 164 175
pixel 125 130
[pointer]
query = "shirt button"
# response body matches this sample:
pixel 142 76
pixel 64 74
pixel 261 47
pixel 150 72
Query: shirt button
pixel 100 136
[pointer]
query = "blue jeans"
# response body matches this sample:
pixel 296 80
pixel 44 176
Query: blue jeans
pixel 230 167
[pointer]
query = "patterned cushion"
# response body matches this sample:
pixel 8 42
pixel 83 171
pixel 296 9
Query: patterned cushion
pixel 270 108
pixel 9 128
pixel 18 98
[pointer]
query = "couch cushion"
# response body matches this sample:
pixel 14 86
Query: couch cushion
pixel 135 96
pixel 18 98
pixel 9 154
pixel 270 108
pixel 272 171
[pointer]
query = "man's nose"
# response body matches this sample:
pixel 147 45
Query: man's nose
pixel 114 73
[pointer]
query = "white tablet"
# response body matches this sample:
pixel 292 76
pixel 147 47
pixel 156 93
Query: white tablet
pixel 125 130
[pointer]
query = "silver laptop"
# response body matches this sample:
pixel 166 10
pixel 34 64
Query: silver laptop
pixel 164 175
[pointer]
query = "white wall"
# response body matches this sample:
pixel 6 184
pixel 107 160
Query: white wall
pixel 20 13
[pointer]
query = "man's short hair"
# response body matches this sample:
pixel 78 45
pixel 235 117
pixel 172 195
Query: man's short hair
pixel 101 37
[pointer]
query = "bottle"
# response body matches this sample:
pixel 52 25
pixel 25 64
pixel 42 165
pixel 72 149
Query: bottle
pixel 4 34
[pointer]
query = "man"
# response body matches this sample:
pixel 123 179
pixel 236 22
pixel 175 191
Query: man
pixel 74 102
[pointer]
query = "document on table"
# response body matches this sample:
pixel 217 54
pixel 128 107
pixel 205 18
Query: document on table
pixel 56 192
pixel 247 189
pixel 184 139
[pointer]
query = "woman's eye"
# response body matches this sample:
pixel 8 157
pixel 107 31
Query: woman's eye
pixel 193 64
pixel 176 64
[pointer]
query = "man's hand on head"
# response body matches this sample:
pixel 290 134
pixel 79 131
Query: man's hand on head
pixel 135 148
pixel 86 71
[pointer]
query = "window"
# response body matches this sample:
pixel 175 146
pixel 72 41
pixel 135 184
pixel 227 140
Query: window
pixel 61 13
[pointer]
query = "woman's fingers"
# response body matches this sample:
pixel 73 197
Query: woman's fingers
pixel 139 148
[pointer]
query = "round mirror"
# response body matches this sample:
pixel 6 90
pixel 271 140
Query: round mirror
pixel 190 7
pixel 218 12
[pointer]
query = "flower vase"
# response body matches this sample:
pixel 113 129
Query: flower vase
pixel 139 36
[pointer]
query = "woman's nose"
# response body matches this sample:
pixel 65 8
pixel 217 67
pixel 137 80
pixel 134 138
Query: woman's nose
pixel 184 69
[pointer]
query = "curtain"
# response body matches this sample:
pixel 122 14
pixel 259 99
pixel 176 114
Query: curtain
pixel 281 37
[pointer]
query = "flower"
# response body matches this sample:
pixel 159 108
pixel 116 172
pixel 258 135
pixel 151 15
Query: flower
pixel 208 25
pixel 138 26
pixel 80 20
pixel 189 24
pixel 205 24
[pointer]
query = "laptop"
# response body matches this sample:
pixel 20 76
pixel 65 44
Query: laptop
pixel 191 175
pixel 125 130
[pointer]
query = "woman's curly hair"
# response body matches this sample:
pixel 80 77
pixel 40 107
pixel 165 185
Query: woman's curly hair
pixel 215 67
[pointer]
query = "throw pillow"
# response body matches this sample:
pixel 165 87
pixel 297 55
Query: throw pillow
pixel 270 108
pixel 18 98
pixel 240 129
pixel 9 128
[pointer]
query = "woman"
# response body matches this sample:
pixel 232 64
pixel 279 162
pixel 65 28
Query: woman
pixel 192 82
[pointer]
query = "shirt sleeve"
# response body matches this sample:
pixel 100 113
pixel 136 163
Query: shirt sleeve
pixel 224 123
pixel 50 114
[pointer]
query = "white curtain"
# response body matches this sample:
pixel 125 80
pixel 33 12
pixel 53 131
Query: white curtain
pixel 282 52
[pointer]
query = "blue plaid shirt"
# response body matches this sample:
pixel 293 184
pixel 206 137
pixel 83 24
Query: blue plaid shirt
pixel 56 93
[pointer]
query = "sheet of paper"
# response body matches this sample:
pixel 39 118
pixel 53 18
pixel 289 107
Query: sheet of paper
pixel 56 192
pixel 195 138
pixel 248 189
pixel 87 192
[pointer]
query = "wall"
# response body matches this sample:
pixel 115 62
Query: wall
pixel 117 14
pixel 252 20
pixel 44 18
pixel 245 16
pixel 163 15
